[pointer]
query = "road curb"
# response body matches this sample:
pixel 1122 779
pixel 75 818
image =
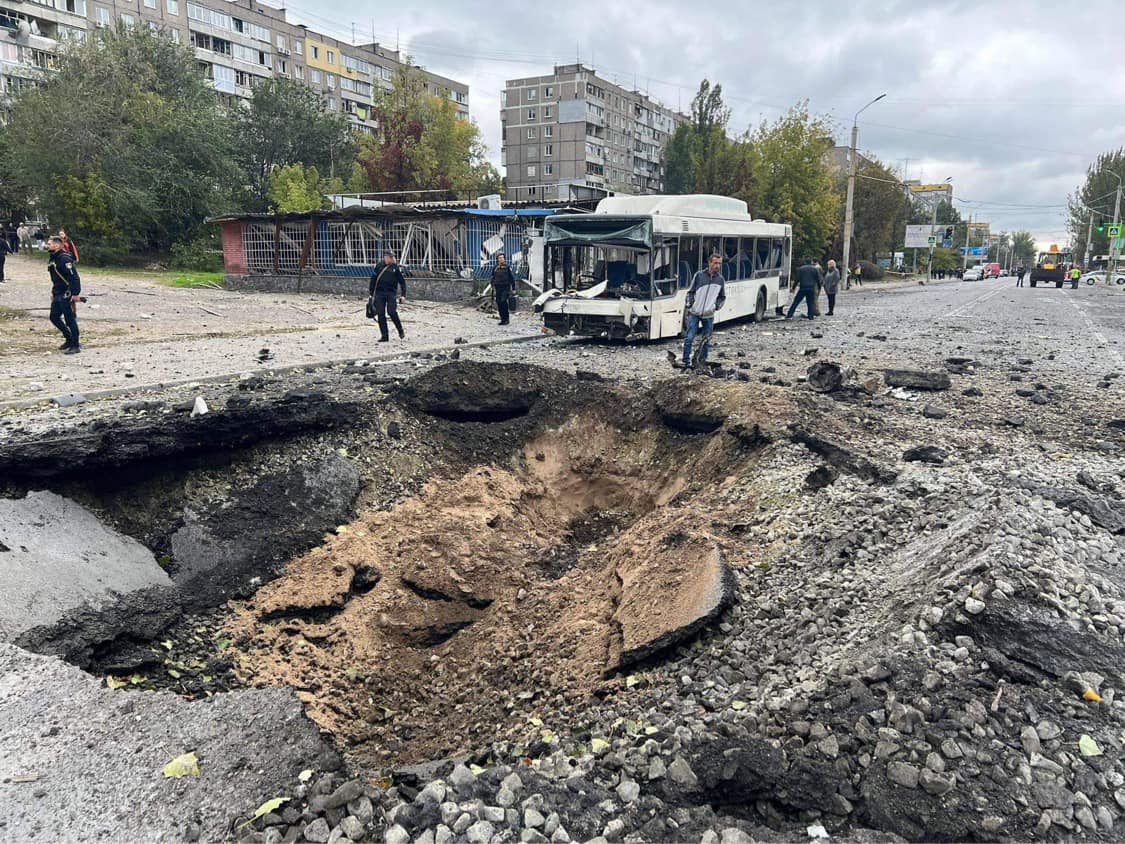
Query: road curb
pixel 114 392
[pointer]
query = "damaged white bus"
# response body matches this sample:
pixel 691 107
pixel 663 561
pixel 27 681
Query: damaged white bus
pixel 623 272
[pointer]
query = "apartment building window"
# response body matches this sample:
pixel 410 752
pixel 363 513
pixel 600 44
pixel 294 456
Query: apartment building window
pixel 548 169
pixel 531 133
pixel 548 112
pixel 150 4
pixel 548 150
pixel 299 72
pixel 531 114
pixel 102 16
pixel 331 57
pixel 173 6
pixel 531 171
pixel 128 21
pixel 548 131
pixel 282 44
pixel 548 92
pixel 77 7
pixel 314 77
pixel 223 78
pixel 331 79
pixel 175 35
pixel 531 92
pixel 314 52
pixel 299 47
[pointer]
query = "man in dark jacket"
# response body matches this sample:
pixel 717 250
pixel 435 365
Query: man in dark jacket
pixel 503 282
pixel 65 287
pixel 384 289
pixel 808 285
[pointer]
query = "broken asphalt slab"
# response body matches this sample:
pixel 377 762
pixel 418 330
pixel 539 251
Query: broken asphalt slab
pixel 80 762
pixel 60 563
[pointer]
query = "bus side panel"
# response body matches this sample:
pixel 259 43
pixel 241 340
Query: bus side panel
pixel 668 316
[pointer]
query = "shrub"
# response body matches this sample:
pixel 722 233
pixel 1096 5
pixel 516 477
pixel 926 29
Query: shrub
pixel 869 271
pixel 202 254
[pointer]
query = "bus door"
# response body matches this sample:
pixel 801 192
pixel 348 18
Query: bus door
pixel 668 307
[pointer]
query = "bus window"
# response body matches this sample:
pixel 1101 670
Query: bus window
pixel 689 260
pixel 730 258
pixel 711 246
pixel 775 254
pixel 665 261
pixel 745 258
pixel 762 257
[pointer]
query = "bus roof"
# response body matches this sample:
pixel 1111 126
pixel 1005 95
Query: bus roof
pixel 687 205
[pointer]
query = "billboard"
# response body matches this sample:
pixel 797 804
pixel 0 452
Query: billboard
pixel 918 237
pixel 975 251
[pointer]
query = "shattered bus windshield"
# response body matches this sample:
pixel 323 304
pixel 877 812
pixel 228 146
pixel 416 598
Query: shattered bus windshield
pixel 615 270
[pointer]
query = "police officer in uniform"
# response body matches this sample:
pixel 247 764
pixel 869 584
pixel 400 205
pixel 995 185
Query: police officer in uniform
pixel 65 287
pixel 503 281
pixel 384 289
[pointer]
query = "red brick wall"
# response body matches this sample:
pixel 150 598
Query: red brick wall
pixel 234 253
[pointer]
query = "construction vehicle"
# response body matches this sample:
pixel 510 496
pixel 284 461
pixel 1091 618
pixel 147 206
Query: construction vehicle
pixel 1051 266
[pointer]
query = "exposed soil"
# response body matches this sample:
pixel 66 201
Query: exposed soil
pixel 522 582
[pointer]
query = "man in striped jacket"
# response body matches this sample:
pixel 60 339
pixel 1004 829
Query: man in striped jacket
pixel 707 295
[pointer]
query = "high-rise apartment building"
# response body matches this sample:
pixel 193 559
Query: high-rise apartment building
pixel 238 42
pixel 574 135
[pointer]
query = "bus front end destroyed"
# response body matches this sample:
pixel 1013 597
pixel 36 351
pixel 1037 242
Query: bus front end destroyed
pixel 624 272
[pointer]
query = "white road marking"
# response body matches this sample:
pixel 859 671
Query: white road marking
pixel 958 310
pixel 1097 334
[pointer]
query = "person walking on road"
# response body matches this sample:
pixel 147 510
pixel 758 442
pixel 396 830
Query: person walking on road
pixel 385 289
pixel 65 288
pixel 856 276
pixel 808 284
pixel 1020 271
pixel 503 283
pixel 707 295
pixel 5 248
pixel 831 286
pixel 1075 274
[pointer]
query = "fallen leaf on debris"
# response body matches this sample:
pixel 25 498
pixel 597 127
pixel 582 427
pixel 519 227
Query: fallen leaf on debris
pixel 269 806
pixel 1092 696
pixel 114 683
pixel 305 775
pixel 1088 746
pixel 186 764
pixel 598 745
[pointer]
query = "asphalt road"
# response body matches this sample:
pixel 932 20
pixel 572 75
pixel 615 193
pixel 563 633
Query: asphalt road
pixel 1069 335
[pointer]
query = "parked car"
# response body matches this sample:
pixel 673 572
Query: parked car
pixel 973 274
pixel 1098 277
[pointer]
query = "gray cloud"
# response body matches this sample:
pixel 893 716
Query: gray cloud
pixel 1013 100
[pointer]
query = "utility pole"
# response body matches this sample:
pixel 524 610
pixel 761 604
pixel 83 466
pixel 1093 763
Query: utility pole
pixel 933 225
pixel 965 257
pixel 849 220
pixel 1111 267
pixel 1089 240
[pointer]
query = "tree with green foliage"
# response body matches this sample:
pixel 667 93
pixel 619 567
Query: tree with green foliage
pixel 1023 248
pixel 783 176
pixel 287 123
pixel 422 144
pixel 946 259
pixel 698 158
pixel 1096 193
pixel 126 145
pixel 880 208
pixel 296 188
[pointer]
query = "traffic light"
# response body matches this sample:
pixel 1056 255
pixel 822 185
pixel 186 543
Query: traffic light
pixel 1101 226
pixel 949 233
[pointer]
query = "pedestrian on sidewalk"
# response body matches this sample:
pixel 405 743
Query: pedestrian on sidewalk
pixel 65 288
pixel 831 286
pixel 707 295
pixel 808 283
pixel 384 289
pixel 503 283
pixel 1019 276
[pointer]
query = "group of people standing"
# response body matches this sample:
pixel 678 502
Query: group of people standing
pixel 811 279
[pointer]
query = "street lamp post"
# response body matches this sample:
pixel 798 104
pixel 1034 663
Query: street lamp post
pixel 848 214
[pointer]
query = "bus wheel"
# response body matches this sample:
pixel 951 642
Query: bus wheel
pixel 760 307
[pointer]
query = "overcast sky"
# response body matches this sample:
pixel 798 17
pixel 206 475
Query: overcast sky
pixel 1012 99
